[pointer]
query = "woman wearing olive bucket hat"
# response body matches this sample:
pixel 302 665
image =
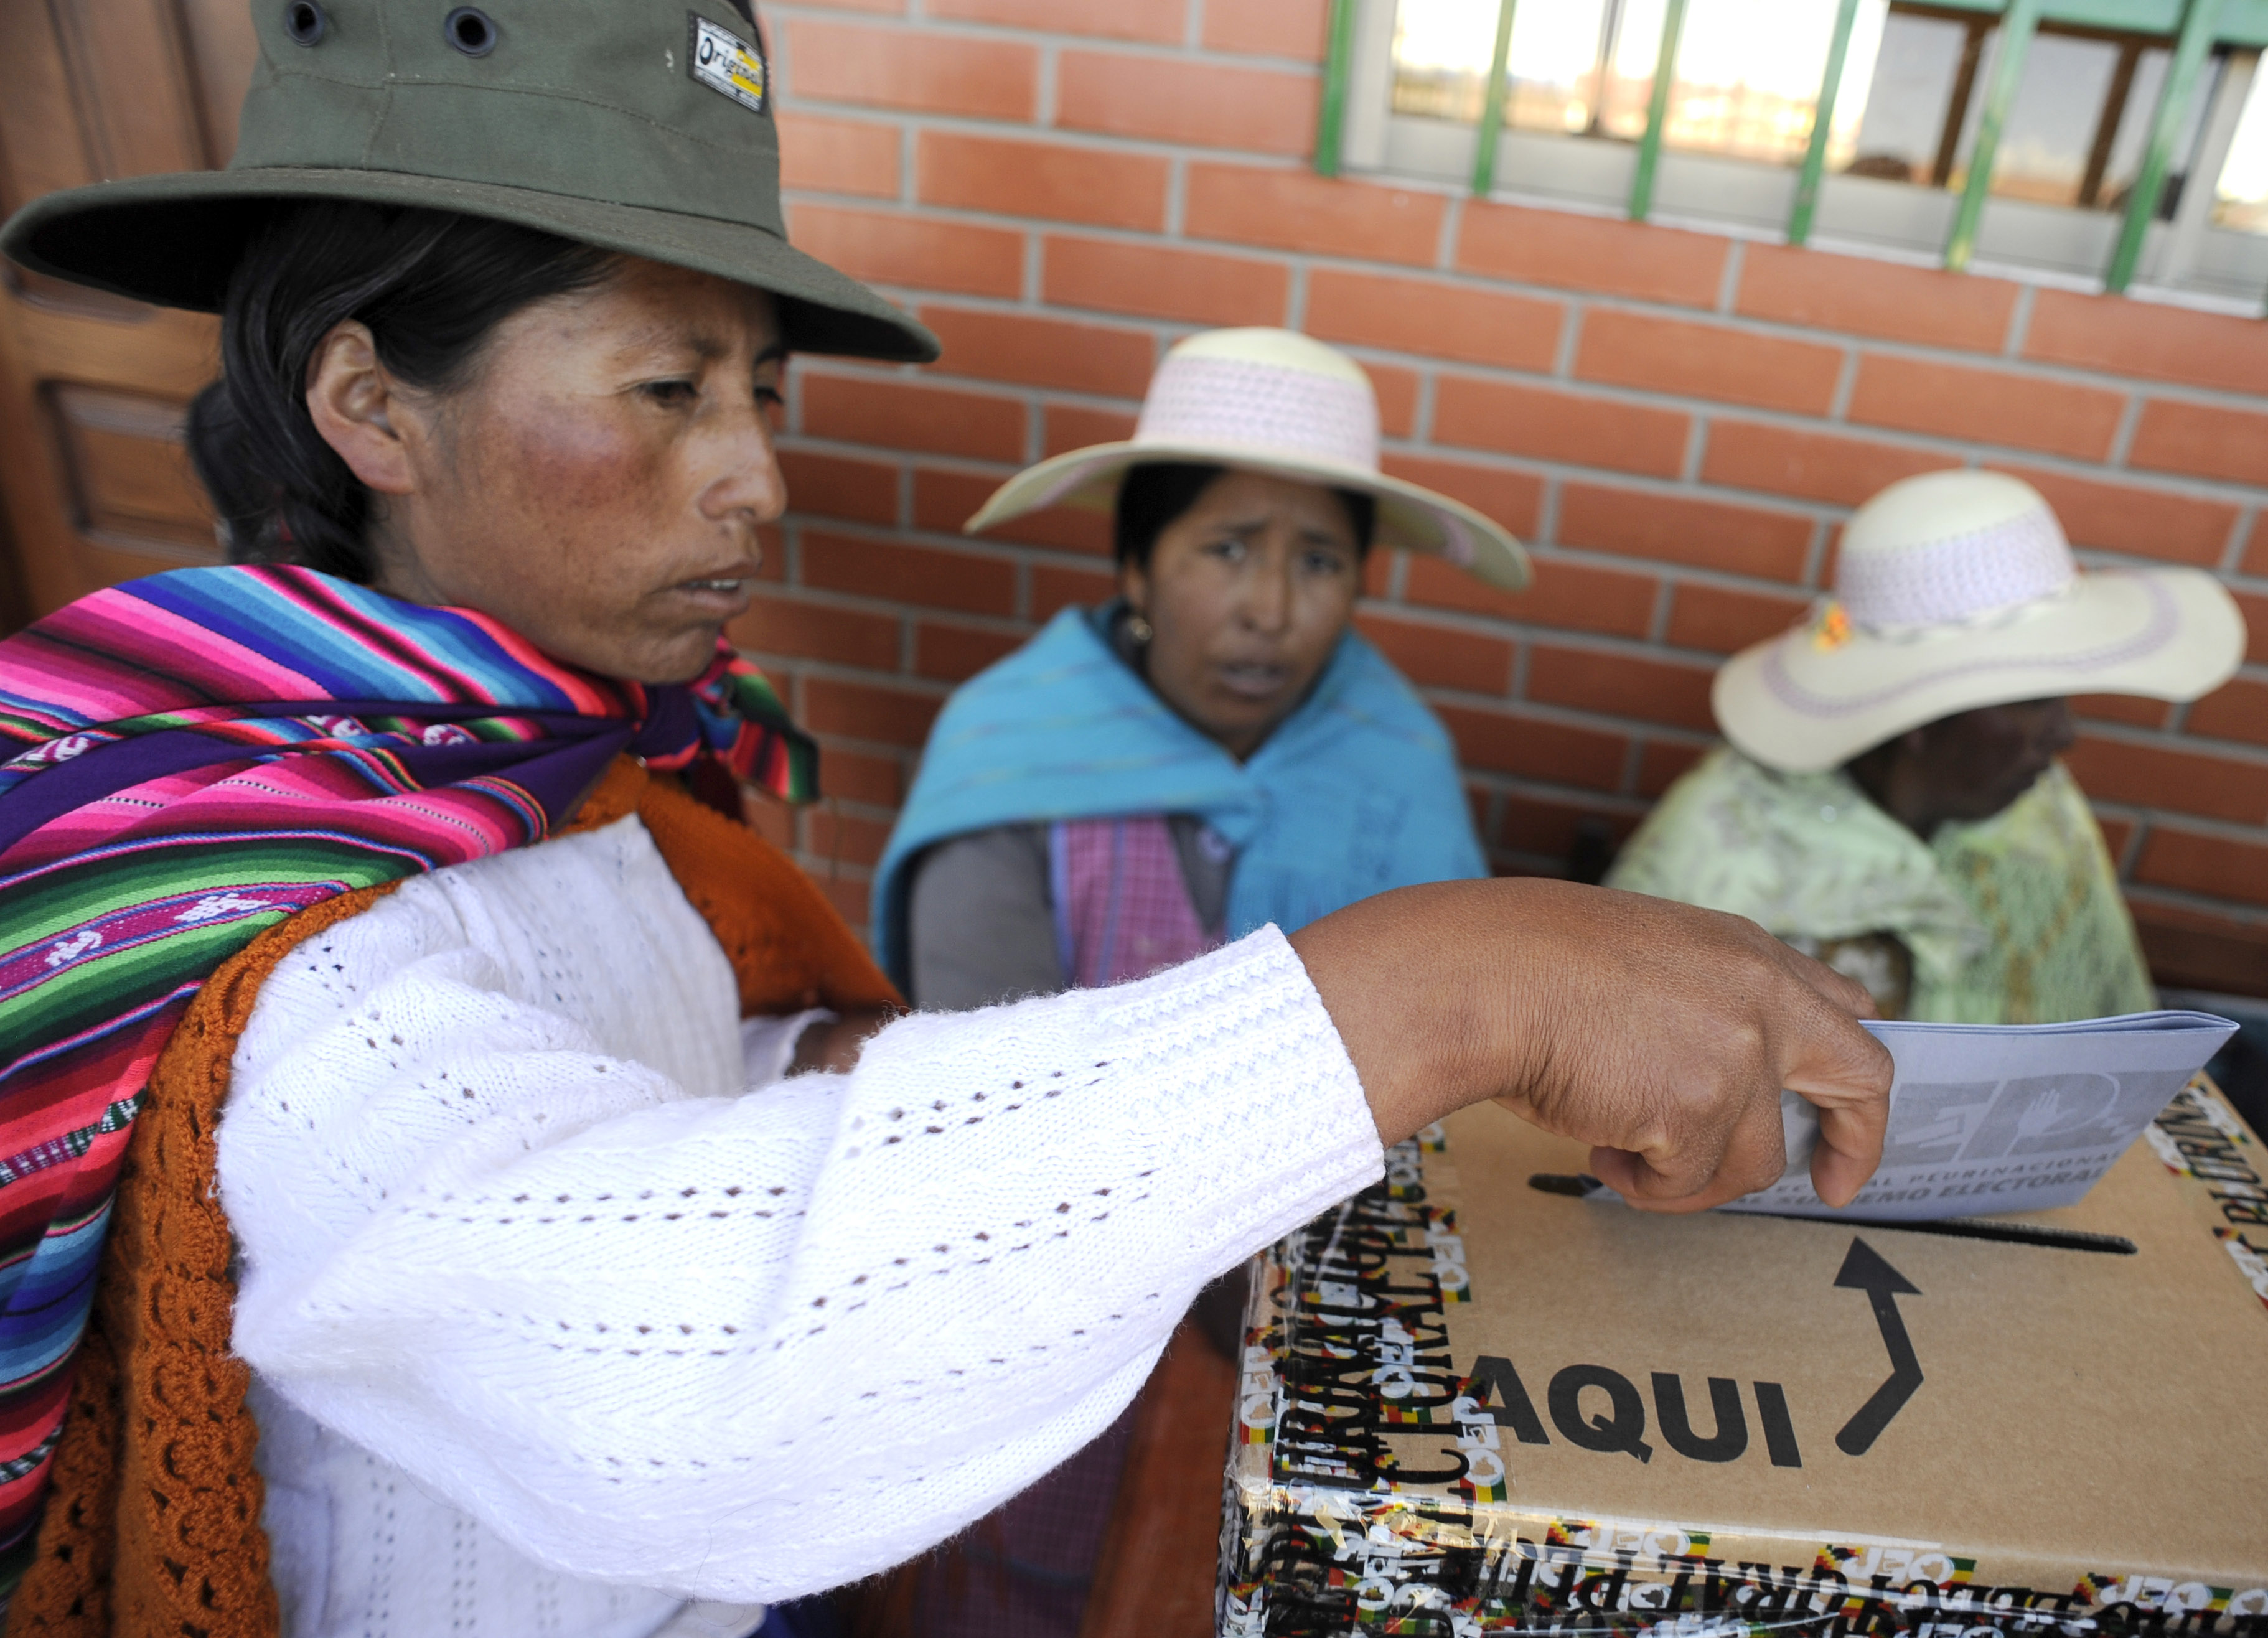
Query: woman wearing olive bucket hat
pixel 373 976
pixel 1891 799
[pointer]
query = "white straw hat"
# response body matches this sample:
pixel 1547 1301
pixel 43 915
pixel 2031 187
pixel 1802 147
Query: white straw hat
pixel 1956 590
pixel 1272 401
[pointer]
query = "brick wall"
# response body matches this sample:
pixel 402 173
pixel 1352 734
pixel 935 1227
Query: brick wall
pixel 1676 422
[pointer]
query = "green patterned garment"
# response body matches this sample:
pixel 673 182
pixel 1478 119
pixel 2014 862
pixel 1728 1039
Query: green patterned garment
pixel 2017 920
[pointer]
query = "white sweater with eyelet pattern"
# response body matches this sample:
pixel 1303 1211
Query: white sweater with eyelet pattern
pixel 569 1316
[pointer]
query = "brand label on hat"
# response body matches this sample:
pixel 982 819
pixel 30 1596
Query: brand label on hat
pixel 727 63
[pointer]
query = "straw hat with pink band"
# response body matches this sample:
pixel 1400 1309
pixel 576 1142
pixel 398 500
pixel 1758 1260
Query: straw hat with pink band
pixel 1273 402
pixel 1954 590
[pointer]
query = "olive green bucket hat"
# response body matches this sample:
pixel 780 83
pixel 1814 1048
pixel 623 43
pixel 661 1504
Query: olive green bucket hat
pixel 639 126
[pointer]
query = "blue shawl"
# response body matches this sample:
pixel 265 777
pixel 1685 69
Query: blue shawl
pixel 1357 791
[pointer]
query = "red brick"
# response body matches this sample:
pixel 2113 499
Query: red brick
pixel 1863 296
pixel 2198 438
pixel 889 247
pixel 1051 179
pixel 933 576
pixel 906 67
pixel 2117 833
pixel 944 501
pixel 2149 523
pixel 1542 828
pixel 838 156
pixel 815 631
pixel 1055 588
pixel 1678 529
pixel 852 898
pixel 1397 397
pixel 1196 287
pixel 2148 339
pixel 1513 499
pixel 844 839
pixel 1662 763
pixel 771 817
pixel 1707 361
pixel 1592 254
pixel 1558 426
pixel 2255 546
pixel 1717 620
pixel 1173 99
pixel 2219 866
pixel 1985 406
pixel 1574 596
pixel 2155 776
pixel 1621 684
pixel 956 653
pixel 1532 748
pixel 836 486
pixel 1430 316
pixel 1818 466
pixel 1065 427
pixel 1300 29
pixel 1441 656
pixel 1156 20
pixel 1044 352
pixel 1295 209
pixel 1378 572
pixel 2122 708
pixel 892 8
pixel 771 542
pixel 894 413
pixel 2235 710
pixel 2254 608
pixel 853 776
pixel 859 711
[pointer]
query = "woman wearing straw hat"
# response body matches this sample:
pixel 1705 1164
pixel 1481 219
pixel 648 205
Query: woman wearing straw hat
pixel 1891 799
pixel 1215 750
pixel 413 1220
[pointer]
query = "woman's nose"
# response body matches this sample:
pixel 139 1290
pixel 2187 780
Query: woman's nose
pixel 1268 597
pixel 746 475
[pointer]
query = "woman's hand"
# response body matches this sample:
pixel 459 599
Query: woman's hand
pixel 833 1045
pixel 1660 1033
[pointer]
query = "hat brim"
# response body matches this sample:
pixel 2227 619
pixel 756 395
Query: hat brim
pixel 176 240
pixel 1800 704
pixel 1409 515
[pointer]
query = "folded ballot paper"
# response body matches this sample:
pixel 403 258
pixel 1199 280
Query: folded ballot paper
pixel 1988 1118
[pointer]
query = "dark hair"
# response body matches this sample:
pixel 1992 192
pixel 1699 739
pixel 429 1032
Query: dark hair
pixel 431 284
pixel 1151 495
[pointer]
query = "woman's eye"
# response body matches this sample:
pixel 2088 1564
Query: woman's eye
pixel 1230 550
pixel 672 393
pixel 1325 564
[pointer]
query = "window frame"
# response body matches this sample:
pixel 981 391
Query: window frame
pixel 1355 114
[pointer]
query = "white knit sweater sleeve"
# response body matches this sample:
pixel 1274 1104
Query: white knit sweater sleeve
pixel 511 1219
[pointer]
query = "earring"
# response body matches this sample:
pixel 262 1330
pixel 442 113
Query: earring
pixel 1139 629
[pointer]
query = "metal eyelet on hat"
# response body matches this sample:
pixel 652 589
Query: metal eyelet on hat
pixel 305 22
pixel 470 30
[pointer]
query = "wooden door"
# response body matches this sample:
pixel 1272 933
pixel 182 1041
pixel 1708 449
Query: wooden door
pixel 94 484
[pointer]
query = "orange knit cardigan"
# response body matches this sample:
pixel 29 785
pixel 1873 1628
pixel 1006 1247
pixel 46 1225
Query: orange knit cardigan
pixel 152 1522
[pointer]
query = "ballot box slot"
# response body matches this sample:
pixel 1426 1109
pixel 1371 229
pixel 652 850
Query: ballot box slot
pixel 1580 1186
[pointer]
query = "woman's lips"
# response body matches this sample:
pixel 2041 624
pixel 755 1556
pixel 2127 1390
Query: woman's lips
pixel 1253 681
pixel 723 596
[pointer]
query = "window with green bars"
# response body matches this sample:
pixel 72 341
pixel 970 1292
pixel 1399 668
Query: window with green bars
pixel 2120 140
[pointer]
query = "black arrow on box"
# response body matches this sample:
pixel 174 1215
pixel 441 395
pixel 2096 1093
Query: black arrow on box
pixel 1864 1270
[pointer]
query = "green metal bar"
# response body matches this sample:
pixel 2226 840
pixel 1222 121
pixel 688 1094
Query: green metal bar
pixel 1493 104
pixel 2018 23
pixel 1814 158
pixel 1657 107
pixel 2189 52
pixel 1338 68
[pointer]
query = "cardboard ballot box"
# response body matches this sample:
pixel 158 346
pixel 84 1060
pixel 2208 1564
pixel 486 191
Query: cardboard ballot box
pixel 1472 1404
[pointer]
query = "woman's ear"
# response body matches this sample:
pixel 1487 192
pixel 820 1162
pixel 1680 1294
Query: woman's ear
pixel 359 410
pixel 1134 586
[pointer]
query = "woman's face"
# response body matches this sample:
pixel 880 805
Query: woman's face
pixel 1246 592
pixel 596 484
